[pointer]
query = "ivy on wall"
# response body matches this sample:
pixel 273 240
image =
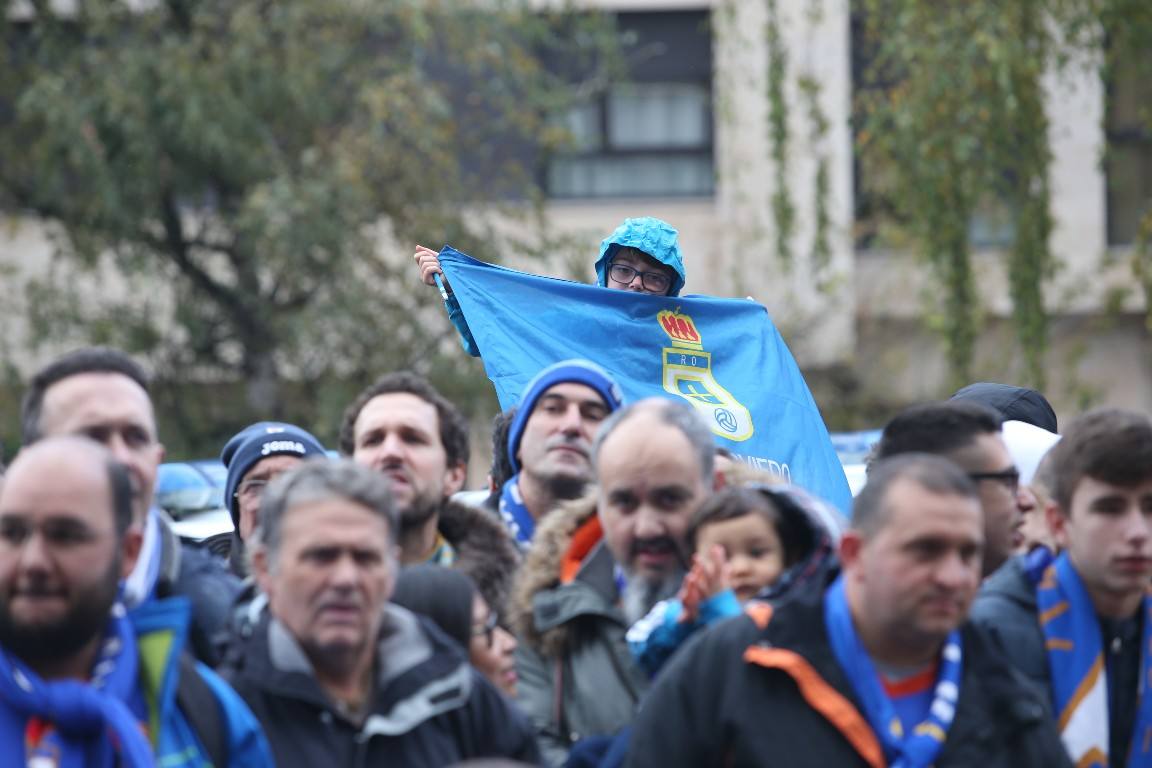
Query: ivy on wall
pixel 781 147
pixel 952 120
pixel 783 209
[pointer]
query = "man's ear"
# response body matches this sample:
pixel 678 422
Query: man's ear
pixel 454 478
pixel 130 550
pixel 850 545
pixel 258 557
pixel 1057 524
pixel 719 479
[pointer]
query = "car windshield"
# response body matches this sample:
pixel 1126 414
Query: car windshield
pixel 186 487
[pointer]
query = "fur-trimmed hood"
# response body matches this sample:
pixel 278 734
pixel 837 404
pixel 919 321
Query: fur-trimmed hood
pixel 484 550
pixel 551 551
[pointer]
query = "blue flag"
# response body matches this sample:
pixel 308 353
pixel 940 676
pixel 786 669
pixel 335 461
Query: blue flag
pixel 724 356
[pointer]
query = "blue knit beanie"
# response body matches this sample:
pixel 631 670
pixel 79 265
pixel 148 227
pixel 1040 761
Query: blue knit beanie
pixel 568 371
pixel 259 441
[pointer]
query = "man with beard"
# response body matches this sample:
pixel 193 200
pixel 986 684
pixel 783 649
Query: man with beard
pixel 403 428
pixel 550 441
pixel 77 687
pixel 877 668
pixel 102 393
pixel 599 564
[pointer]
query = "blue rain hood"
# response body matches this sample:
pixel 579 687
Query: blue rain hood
pixel 652 236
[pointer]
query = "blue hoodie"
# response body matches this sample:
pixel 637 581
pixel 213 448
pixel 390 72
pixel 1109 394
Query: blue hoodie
pixel 653 236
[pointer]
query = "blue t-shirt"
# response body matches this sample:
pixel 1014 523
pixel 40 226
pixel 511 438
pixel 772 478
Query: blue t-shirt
pixel 912 696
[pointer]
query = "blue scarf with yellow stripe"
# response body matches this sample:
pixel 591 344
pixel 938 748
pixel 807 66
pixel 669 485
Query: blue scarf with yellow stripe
pixel 1079 677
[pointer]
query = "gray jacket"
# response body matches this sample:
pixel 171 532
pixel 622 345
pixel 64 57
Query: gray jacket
pixel 577 677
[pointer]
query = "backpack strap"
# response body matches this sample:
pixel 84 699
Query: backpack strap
pixel 203 711
pixel 169 555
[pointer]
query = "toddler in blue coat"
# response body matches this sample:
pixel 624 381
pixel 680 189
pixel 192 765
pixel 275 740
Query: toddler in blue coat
pixel 750 542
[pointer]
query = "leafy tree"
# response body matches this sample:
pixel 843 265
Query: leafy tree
pixel 237 164
pixel 952 118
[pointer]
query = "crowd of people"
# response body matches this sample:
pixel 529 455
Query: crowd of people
pixel 625 595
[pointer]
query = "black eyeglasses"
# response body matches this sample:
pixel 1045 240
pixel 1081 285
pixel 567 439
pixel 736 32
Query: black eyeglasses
pixel 657 282
pixel 252 487
pixel 1009 478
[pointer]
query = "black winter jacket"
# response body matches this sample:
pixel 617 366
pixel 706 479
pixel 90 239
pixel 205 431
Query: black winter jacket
pixel 1006 610
pixel 430 708
pixel 765 689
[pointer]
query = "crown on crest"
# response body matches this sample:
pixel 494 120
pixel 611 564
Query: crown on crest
pixel 680 329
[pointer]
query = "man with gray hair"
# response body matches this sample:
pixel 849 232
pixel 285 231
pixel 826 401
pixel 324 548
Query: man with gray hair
pixel 599 564
pixel 337 674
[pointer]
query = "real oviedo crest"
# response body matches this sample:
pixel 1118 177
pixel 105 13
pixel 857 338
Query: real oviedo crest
pixel 688 374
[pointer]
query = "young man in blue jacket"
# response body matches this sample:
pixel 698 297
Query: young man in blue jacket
pixel 83 681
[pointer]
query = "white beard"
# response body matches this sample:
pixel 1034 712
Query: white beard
pixel 641 595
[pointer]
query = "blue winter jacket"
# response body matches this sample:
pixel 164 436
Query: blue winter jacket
pixel 161 627
pixel 654 638
pixel 653 236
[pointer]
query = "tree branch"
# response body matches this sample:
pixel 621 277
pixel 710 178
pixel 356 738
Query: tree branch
pixel 176 246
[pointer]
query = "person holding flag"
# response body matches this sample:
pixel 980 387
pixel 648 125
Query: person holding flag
pixel 722 356
pixel 642 255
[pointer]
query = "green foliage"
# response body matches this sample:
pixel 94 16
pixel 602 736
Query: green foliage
pixel 952 119
pixel 1142 266
pixel 821 251
pixel 810 89
pixel 239 162
pixel 783 209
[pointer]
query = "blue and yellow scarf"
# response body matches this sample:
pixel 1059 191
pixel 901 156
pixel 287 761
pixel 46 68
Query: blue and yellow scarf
pixel 1079 678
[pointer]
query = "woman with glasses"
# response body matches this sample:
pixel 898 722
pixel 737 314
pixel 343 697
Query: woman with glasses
pixel 451 600
pixel 642 255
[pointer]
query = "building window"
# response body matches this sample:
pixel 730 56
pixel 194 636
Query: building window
pixel 652 135
pixel 876 218
pixel 1128 163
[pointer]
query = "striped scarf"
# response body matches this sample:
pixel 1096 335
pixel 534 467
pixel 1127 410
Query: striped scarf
pixel 1079 678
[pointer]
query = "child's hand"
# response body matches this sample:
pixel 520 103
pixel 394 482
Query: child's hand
pixel 714 572
pixel 708 577
pixel 689 595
